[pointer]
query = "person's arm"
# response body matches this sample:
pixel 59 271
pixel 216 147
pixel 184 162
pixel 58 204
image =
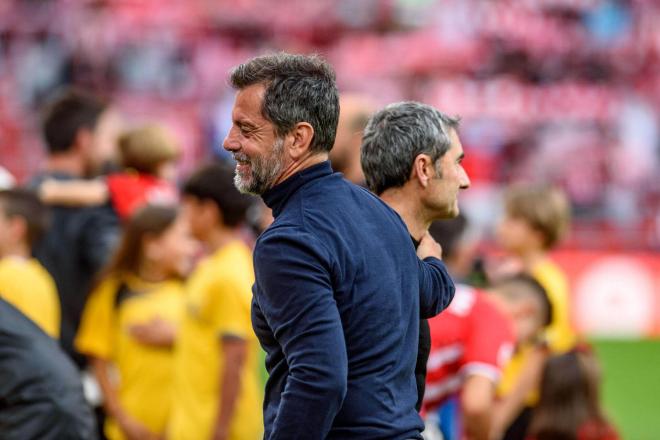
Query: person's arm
pixel 436 287
pixel 133 429
pixel 477 399
pixel 157 333
pixel 234 352
pixel 73 192
pixel 508 408
pixel 295 294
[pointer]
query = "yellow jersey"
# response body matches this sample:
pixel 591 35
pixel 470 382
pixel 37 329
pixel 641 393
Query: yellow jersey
pixel 144 372
pixel 218 304
pixel 559 335
pixel 28 286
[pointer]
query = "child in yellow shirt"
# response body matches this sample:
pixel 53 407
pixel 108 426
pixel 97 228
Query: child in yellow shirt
pixel 535 220
pixel 141 285
pixel 217 392
pixel 24 282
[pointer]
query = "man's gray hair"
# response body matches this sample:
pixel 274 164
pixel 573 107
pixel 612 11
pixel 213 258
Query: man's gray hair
pixel 396 135
pixel 299 88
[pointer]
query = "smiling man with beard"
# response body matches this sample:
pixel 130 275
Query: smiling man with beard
pixel 339 288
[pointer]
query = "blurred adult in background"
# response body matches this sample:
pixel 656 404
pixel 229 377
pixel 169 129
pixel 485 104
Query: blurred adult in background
pixel 411 156
pixel 536 218
pixel 470 344
pixel 336 308
pixel 23 280
pixel 569 403
pixel 41 397
pixel 217 391
pixel 79 134
pixel 354 114
pixel 147 157
pixel 459 249
pixel 142 285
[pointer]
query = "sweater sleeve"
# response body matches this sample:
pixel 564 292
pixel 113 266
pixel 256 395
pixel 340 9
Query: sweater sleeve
pixel 295 294
pixel 436 288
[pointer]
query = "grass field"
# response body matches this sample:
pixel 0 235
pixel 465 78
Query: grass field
pixel 631 388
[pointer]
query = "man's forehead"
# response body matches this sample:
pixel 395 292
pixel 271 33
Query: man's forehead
pixel 455 146
pixel 248 101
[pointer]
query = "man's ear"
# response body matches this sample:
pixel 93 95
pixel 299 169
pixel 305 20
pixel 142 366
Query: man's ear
pixel 301 138
pixel 422 169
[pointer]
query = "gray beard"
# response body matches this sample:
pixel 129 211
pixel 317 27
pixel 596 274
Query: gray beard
pixel 264 171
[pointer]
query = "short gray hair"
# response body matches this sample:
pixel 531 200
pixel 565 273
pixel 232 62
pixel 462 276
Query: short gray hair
pixel 299 88
pixel 396 135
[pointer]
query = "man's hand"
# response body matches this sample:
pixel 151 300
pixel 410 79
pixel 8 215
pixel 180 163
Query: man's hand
pixel 428 247
pixel 157 333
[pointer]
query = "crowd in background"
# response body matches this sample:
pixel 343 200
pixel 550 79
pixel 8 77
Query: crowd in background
pixel 555 91
pixel 552 90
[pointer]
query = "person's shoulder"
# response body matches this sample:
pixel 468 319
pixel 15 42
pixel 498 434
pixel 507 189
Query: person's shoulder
pixel 21 267
pixel 282 240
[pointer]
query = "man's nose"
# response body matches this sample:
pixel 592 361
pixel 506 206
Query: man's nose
pixel 229 143
pixel 465 180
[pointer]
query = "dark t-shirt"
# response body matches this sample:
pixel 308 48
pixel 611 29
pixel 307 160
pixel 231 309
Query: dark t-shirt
pixel 76 246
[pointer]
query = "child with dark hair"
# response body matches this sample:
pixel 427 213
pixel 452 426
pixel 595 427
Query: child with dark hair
pixel 24 282
pixel 147 154
pixel 216 382
pixel 142 285
pixel 569 404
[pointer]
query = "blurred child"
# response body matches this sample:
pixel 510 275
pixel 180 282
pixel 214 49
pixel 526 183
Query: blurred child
pixel 217 393
pixel 148 155
pixel 24 282
pixel 470 342
pixel 142 284
pixel 569 403
pixel 536 218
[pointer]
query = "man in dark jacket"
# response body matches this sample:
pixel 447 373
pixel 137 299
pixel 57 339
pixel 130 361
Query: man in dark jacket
pixel 41 396
pixel 79 133
pixel 339 288
pixel 411 157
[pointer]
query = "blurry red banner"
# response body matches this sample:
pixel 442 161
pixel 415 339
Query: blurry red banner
pixel 613 294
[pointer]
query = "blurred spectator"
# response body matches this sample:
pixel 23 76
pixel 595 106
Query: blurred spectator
pixel 140 288
pixel 79 240
pixel 148 155
pixel 354 113
pixel 459 249
pixel 216 385
pixel 470 344
pixel 569 404
pixel 23 280
pixel 535 220
pixel 41 397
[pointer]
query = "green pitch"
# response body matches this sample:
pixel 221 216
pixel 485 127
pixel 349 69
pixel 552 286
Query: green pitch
pixel 631 386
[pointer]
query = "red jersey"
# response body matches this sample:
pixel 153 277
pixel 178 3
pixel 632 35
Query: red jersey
pixel 129 191
pixel 470 337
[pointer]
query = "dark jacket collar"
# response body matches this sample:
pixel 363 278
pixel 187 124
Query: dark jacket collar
pixel 277 196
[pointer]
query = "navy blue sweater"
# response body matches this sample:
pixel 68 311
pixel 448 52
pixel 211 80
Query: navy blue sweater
pixel 337 301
